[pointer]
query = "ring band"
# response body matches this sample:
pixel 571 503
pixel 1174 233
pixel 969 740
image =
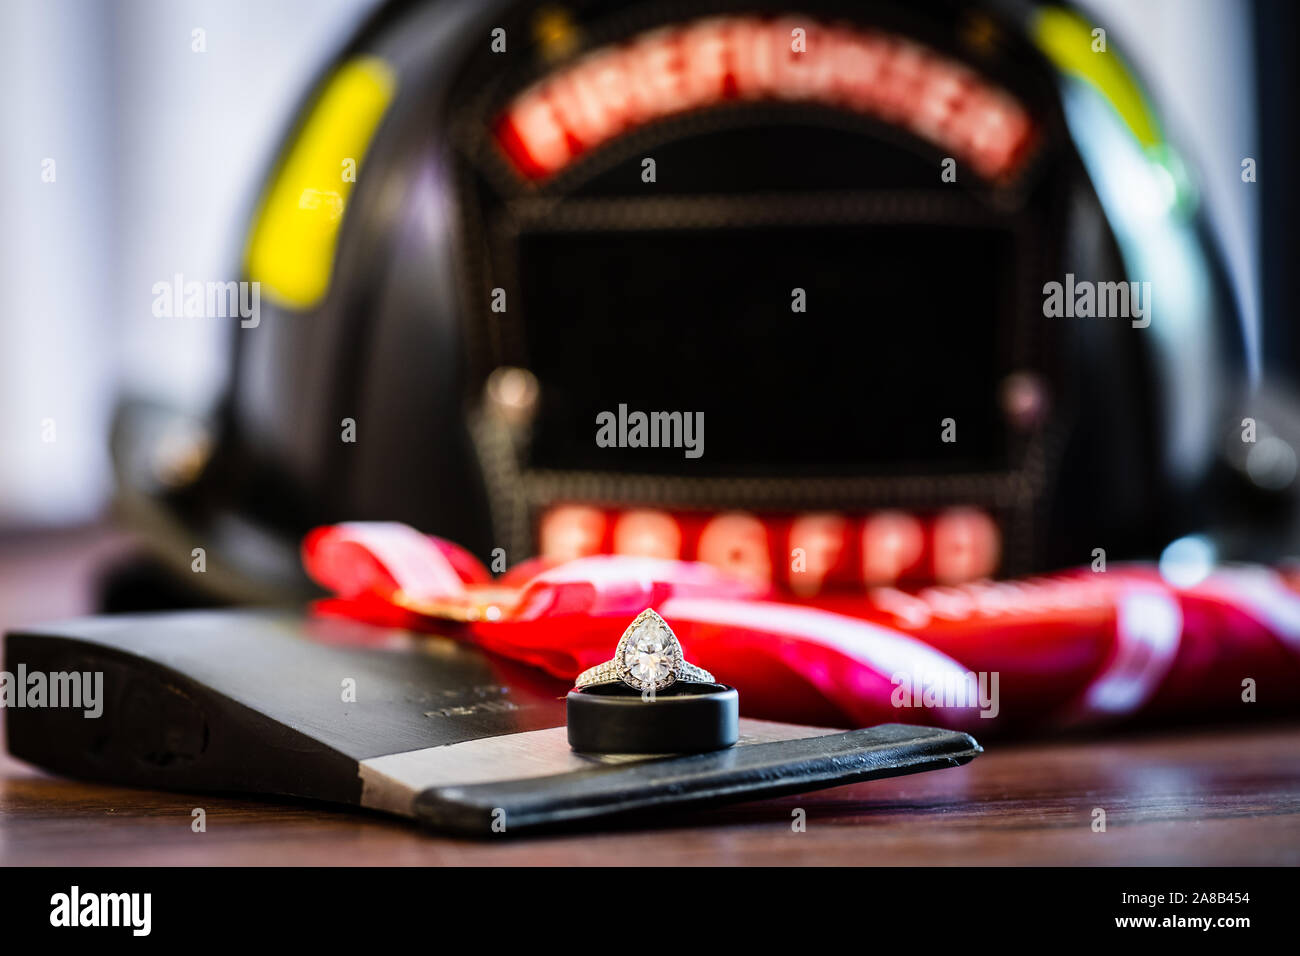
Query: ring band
pixel 614 719
pixel 648 658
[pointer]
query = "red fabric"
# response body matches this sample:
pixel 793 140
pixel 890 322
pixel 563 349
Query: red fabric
pixel 1075 648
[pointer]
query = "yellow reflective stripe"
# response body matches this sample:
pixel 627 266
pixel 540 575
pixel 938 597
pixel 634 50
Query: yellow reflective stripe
pixel 1066 38
pixel 291 248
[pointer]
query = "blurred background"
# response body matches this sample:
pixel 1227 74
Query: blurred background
pixel 158 151
pixel 137 133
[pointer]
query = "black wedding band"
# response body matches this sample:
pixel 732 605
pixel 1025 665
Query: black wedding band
pixel 688 718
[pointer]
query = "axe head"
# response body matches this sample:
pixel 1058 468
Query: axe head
pixel 414 725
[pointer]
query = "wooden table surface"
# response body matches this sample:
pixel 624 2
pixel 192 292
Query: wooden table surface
pixel 1193 796
pixel 1210 797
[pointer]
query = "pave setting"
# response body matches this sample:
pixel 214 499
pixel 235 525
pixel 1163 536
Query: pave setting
pixel 648 653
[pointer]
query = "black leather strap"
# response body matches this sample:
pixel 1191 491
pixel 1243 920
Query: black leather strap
pixel 687 718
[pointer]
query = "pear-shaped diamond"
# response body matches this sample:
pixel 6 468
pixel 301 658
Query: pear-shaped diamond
pixel 649 652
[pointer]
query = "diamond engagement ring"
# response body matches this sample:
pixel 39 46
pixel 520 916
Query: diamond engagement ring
pixel 648 657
